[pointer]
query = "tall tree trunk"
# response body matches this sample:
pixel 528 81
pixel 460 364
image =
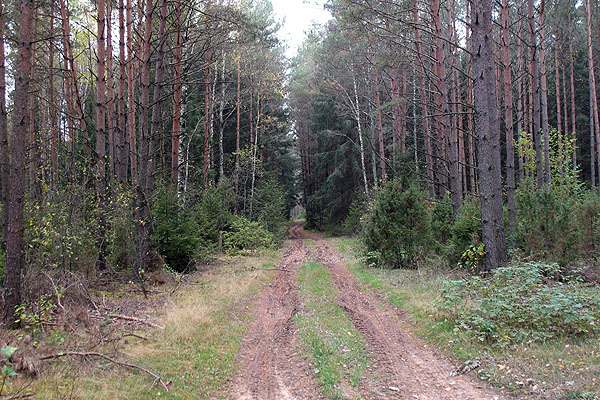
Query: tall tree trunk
pixel 52 105
pixel 123 154
pixel 113 138
pixel 15 247
pixel 221 120
pixel 573 112
pixel 237 127
pixel 470 131
pixel 488 133
pixel 544 96
pixel 206 121
pixel 5 160
pixel 557 71
pixel 424 103
pixel 592 80
pixel 34 156
pixel 101 100
pixel 379 121
pixel 68 82
pixel 177 91
pixel 360 135
pixel 535 92
pixel 508 116
pixel 133 150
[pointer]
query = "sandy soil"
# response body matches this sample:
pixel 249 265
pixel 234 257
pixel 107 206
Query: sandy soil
pixel 403 367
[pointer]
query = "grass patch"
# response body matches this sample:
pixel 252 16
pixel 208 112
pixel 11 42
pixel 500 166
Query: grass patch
pixel 563 368
pixel 197 350
pixel 335 347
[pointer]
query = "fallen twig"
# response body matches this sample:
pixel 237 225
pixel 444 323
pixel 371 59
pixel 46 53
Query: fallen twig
pixel 128 318
pixel 156 377
pixel 136 335
pixel 20 396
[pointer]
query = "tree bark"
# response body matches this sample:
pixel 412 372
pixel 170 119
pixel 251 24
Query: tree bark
pixel 15 247
pixel 5 160
pixel 123 154
pixel 592 81
pixel 544 97
pixel 535 93
pixel 131 106
pixel 177 91
pixel 573 112
pixel 508 116
pixel 424 103
pixel 379 121
pixel 100 178
pixel 488 133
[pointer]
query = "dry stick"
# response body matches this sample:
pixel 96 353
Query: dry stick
pixel 128 318
pixel 135 335
pixel 112 360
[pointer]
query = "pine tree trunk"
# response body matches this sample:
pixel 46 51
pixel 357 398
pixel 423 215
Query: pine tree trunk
pixel 131 106
pixel 121 127
pixel 488 133
pixel 544 97
pixel 15 246
pixel 5 160
pixel 177 91
pixel 508 116
pixel 379 123
pixel 424 103
pixel 573 112
pixel 535 93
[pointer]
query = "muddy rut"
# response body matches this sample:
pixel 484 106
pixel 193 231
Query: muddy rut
pixel 272 367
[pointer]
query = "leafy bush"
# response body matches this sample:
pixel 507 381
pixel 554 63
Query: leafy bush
pixel 544 227
pixel 399 226
pixel 175 233
pixel 61 230
pixel 244 234
pixel 120 236
pixel 465 231
pixel 519 303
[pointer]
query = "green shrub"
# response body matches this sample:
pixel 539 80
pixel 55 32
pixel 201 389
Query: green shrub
pixel 520 303
pixel 243 234
pixel 465 231
pixel 544 227
pixel 587 220
pixel 353 222
pixel 398 227
pixel 271 208
pixel 120 235
pixel 175 233
pixel 61 230
pixel 213 213
pixel 442 220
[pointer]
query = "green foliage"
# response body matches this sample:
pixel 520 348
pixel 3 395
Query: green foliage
pixel 473 258
pixel 587 220
pixel 244 234
pixel 442 220
pixel 271 208
pixel 465 231
pixel 8 369
pixel 544 227
pixel 175 233
pixel 213 213
pixel 34 316
pixel 120 236
pixel 356 212
pixel 61 230
pixel 564 177
pixel 520 304
pixel 399 226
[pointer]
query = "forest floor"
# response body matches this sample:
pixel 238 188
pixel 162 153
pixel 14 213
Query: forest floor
pixel 306 322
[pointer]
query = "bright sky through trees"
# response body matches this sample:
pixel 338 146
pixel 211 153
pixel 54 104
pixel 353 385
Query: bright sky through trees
pixel 298 16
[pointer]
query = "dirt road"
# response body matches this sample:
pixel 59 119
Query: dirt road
pixel 271 363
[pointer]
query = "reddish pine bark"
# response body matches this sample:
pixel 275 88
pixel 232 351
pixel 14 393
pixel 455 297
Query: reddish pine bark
pixel 52 105
pixel 508 115
pixel 101 101
pixel 573 112
pixel 121 164
pixel 535 93
pixel 15 247
pixel 379 122
pixel 113 137
pixel 131 106
pixel 544 96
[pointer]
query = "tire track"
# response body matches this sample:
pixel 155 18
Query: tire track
pixel 407 369
pixel 271 365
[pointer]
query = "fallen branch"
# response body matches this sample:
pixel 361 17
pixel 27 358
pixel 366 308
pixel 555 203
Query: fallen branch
pixel 135 335
pixel 20 396
pixel 112 360
pixel 128 318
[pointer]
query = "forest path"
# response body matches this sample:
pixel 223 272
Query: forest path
pixel 402 367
